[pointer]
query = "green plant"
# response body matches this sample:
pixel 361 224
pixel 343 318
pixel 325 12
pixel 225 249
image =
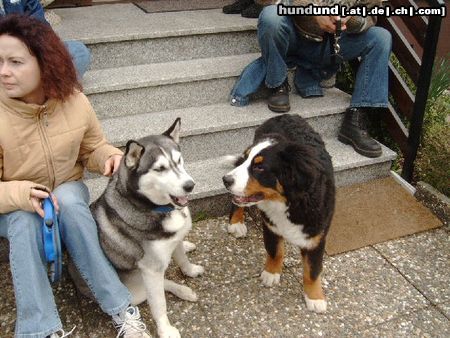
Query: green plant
pixel 200 216
pixel 440 79
pixel 433 158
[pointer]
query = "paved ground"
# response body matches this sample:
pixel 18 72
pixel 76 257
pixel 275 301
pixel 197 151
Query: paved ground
pixel 400 288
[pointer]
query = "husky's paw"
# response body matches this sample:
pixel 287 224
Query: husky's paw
pixel 181 291
pixel 270 279
pixel 168 331
pixel 237 229
pixel 316 305
pixel 193 270
pixel 189 246
pixel 186 293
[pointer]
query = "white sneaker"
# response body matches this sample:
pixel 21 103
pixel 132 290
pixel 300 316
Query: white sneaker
pixel 129 324
pixel 61 333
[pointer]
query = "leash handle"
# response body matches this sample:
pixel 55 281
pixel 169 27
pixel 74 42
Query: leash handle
pixel 47 230
pixel 52 240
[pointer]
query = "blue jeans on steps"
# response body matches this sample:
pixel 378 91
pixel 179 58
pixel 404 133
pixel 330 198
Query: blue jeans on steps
pixel 37 316
pixel 81 56
pixel 283 48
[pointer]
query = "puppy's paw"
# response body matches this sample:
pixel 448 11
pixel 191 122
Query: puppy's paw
pixel 270 279
pixel 168 331
pixel 189 246
pixel 193 270
pixel 316 305
pixel 237 229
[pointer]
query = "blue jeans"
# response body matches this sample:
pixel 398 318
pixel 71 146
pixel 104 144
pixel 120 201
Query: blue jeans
pixel 37 315
pixel 81 56
pixel 282 48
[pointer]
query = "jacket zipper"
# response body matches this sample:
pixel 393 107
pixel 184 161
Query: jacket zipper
pixel 43 124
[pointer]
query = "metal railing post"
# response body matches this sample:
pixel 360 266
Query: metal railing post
pixel 423 84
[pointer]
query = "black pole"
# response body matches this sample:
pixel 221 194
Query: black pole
pixel 423 85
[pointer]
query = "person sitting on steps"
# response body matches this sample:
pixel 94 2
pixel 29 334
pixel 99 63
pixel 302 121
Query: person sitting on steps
pixel 300 41
pixel 81 56
pixel 49 134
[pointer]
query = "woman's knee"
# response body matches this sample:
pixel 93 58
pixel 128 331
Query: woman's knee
pixel 24 225
pixel 75 217
pixel 72 194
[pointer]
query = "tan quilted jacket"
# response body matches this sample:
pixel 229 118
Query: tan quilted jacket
pixel 44 146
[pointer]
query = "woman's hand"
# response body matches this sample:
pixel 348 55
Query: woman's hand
pixel 112 164
pixel 36 197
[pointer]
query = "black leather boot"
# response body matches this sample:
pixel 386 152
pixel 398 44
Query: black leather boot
pixel 237 7
pixel 252 11
pixel 278 101
pixel 354 132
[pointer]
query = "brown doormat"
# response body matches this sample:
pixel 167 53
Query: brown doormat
pixel 157 6
pixel 374 212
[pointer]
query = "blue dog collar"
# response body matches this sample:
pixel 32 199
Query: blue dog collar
pixel 164 209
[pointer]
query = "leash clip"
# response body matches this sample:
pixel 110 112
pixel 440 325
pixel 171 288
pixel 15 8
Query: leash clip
pixel 337 37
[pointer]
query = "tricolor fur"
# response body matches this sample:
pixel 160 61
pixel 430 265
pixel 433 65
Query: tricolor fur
pixel 143 218
pixel 287 173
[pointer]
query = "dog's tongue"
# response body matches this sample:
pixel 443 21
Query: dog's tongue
pixel 181 200
pixel 247 199
pixel 240 199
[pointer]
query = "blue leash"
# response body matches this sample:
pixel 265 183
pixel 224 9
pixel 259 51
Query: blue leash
pixel 52 240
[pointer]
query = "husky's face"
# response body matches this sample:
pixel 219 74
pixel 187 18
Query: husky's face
pixel 156 168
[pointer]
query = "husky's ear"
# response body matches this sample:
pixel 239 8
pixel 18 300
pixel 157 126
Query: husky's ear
pixel 174 130
pixel 133 154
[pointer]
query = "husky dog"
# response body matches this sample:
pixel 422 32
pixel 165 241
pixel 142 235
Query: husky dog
pixel 143 217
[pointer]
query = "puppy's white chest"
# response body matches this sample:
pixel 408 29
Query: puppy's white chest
pixel 282 226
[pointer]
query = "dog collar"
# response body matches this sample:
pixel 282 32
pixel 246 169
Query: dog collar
pixel 164 209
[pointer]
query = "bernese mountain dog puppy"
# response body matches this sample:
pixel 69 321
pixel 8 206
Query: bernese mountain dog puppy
pixel 287 173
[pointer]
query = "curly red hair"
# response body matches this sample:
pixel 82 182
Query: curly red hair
pixel 58 74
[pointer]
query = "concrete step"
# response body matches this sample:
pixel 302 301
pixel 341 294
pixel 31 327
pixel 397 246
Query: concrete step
pixel 210 197
pixel 220 129
pixel 123 35
pixel 162 86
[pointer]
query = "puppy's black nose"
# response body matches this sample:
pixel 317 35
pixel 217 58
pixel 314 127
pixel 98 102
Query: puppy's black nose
pixel 189 186
pixel 228 181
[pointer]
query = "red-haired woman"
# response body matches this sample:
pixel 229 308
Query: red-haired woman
pixel 48 134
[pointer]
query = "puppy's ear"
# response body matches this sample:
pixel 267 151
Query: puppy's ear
pixel 133 153
pixel 174 131
pixel 294 167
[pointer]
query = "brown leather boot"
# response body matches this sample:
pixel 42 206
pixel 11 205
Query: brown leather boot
pixel 237 7
pixel 252 11
pixel 354 132
pixel 278 101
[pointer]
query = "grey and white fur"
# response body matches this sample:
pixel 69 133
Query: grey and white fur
pixel 143 218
